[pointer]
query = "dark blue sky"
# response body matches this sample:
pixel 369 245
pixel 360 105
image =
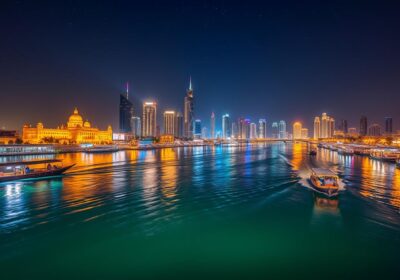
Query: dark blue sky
pixel 276 60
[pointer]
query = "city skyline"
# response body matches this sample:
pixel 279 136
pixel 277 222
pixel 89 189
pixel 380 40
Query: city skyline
pixel 262 56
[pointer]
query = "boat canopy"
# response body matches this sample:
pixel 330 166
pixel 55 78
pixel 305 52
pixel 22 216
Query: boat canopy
pixel 321 172
pixel 29 162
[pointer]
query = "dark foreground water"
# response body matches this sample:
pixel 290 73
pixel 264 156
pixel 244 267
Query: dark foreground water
pixel 200 213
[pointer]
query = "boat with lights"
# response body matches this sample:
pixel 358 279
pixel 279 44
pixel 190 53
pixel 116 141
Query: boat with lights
pixel 325 181
pixel 33 169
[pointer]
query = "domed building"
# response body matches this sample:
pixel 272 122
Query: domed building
pixel 76 131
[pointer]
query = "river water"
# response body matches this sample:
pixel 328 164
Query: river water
pixel 203 212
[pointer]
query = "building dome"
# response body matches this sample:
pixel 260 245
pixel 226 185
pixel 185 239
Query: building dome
pixel 75 120
pixel 86 124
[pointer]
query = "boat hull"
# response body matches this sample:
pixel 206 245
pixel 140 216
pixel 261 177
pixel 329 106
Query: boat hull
pixel 36 175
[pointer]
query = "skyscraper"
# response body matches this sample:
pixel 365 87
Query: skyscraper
pixel 243 128
pixel 388 126
pixel 344 127
pixel 282 130
pixel 169 122
pixel 197 129
pixel 179 125
pixel 149 119
pixel 212 126
pixel 136 127
pixel 234 131
pixel 297 126
pixel 204 133
pixel 189 112
pixel 226 126
pixel 331 127
pixel 324 125
pixel 363 125
pixel 317 128
pixel 125 112
pixel 262 128
pixel 253 131
pixel 275 130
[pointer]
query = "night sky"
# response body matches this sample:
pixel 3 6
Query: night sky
pixel 278 60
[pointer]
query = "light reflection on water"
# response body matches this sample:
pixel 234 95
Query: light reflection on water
pixel 150 193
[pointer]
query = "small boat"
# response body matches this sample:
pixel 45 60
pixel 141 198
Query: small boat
pixel 325 181
pixel 22 170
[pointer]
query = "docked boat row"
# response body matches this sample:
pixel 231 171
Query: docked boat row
pixel 378 153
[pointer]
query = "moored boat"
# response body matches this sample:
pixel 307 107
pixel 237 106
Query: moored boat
pixel 325 181
pixel 390 155
pixel 22 170
pixel 101 149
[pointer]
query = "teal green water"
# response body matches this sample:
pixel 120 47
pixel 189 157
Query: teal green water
pixel 204 212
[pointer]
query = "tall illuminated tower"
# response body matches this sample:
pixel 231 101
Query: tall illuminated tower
pixel 253 131
pixel 317 128
pixel 282 130
pixel 275 130
pixel 262 128
pixel 149 119
pixel 226 126
pixel 125 112
pixel 169 122
pixel 297 127
pixel 188 117
pixel 212 126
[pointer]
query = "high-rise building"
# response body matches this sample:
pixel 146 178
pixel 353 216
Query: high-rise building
pixel 136 127
pixel 253 131
pixel 149 119
pixel 189 112
pixel 179 125
pixel 343 127
pixel 275 130
pixel 244 128
pixel 197 129
pixel 374 130
pixel 304 133
pixel 204 133
pixel 125 112
pixel 282 130
pixel 317 128
pixel 331 127
pixel 297 126
pixel 169 122
pixel 212 126
pixel 226 126
pixel 262 128
pixel 324 125
pixel 234 131
pixel 363 125
pixel 388 126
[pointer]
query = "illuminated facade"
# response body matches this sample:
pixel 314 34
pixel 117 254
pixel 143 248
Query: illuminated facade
pixel 297 126
pixel 76 131
pixel 169 122
pixel 226 126
pixel 262 128
pixel 253 131
pixel 149 119
pixel 282 130
pixel 317 128
pixel 212 126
